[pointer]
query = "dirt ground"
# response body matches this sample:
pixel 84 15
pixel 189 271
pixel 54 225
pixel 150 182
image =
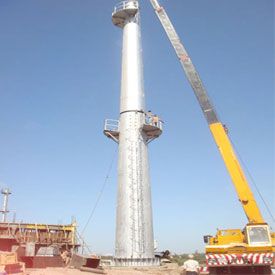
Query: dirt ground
pixel 172 270
pixel 136 271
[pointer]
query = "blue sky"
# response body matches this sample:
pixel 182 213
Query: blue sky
pixel 60 67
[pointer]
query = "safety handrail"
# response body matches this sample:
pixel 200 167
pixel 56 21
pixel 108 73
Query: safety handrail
pixel 123 5
pixel 111 125
pixel 149 120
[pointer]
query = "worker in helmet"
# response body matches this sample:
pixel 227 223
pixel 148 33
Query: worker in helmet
pixel 155 120
pixel 149 117
pixel 191 266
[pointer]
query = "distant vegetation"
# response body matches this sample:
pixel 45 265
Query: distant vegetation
pixel 179 259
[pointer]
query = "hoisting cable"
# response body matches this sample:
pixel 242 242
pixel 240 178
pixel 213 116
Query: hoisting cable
pixel 84 244
pixel 252 180
pixel 100 193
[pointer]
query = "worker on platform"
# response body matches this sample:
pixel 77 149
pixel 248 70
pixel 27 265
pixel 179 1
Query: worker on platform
pixel 66 257
pixel 149 117
pixel 191 266
pixel 155 120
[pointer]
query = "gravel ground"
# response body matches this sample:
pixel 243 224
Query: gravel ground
pixel 67 271
pixel 55 271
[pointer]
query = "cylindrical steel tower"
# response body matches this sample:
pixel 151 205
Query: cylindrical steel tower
pixel 134 226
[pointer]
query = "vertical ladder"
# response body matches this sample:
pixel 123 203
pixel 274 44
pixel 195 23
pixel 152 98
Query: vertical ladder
pixel 140 202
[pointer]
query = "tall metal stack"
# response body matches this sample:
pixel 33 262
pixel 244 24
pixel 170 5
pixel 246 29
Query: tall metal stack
pixel 134 130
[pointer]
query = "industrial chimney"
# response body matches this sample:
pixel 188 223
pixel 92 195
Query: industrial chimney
pixel 134 130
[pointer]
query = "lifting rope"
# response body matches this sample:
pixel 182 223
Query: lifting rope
pixel 99 194
pixel 84 244
pixel 252 180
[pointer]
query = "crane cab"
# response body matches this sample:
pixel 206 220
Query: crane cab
pixel 258 235
pixel 252 236
pixel 235 247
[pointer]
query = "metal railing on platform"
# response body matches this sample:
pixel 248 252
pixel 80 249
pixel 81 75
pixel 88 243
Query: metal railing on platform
pixel 155 122
pixel 111 125
pixel 124 5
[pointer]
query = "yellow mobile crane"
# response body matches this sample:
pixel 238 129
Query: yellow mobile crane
pixel 251 248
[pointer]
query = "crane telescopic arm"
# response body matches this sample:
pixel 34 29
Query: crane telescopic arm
pixel 217 129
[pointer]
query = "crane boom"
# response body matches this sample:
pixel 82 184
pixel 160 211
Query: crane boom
pixel 217 129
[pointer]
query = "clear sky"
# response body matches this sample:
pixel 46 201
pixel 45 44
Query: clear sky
pixel 60 64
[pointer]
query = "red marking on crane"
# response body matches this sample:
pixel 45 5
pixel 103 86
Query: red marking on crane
pixel 184 57
pixel 239 259
pixel 159 9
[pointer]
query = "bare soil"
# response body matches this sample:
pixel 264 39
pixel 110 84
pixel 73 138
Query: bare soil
pixel 163 270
